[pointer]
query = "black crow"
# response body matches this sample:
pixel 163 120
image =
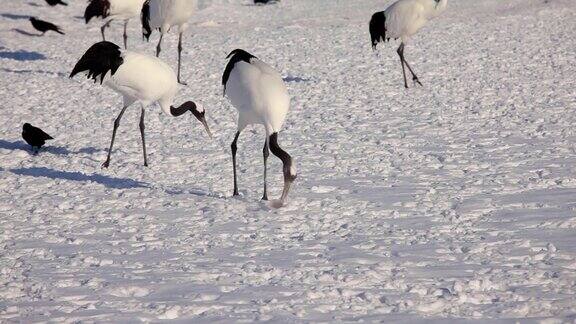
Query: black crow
pixel 56 2
pixel 34 136
pixel 44 26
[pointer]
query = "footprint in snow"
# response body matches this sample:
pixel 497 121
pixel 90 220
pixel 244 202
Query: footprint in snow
pixel 129 292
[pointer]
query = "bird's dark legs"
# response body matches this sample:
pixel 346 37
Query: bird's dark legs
pixel 266 153
pixel 104 27
pixel 158 49
pixel 234 149
pixel 116 124
pixel 414 77
pixel 143 138
pixel 403 60
pixel 400 52
pixel 125 34
pixel 180 58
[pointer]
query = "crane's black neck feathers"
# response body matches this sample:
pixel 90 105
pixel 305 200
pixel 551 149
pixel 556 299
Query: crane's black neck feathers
pixel 378 28
pixel 283 156
pixel 237 55
pixel 98 60
pixel 145 18
pixel 97 8
pixel 183 108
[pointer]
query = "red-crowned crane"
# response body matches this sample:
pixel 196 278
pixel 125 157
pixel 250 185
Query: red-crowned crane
pixel 259 95
pixel 164 15
pixel 138 78
pixel 401 20
pixel 110 10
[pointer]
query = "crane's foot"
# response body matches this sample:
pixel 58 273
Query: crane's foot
pixel 416 81
pixel 106 164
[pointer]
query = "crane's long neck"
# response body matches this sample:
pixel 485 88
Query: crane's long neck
pixel 288 168
pixel 189 106
pixel 179 111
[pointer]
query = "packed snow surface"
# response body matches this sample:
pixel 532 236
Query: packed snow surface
pixel 448 202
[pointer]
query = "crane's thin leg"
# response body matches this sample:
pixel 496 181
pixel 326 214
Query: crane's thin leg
pixel 266 153
pixel 104 27
pixel 116 124
pixel 414 77
pixel 180 58
pixel 125 34
pixel 234 149
pixel 400 52
pixel 143 138
pixel 158 49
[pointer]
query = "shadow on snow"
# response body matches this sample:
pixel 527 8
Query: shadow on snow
pixel 110 182
pixel 33 72
pixel 295 79
pixel 22 56
pixel 58 150
pixel 13 16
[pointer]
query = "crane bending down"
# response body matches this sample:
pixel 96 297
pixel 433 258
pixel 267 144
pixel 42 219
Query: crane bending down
pixel 138 78
pixel 259 95
pixel 163 15
pixel 113 10
pixel 401 20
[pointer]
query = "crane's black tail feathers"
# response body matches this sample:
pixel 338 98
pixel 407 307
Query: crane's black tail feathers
pixel 59 31
pixel 98 60
pixel 378 28
pixel 145 18
pixel 97 8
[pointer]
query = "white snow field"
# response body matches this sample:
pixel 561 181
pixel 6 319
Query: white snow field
pixel 451 202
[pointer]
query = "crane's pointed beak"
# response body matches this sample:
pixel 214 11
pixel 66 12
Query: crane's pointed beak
pixel 279 203
pixel 203 121
pixel 287 185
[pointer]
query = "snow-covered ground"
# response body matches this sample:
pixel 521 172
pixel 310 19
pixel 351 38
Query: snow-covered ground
pixel 456 200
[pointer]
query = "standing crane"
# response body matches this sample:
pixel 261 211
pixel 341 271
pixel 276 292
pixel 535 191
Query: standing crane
pixel 401 20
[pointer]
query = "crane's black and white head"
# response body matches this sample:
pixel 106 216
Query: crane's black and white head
pixel 198 111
